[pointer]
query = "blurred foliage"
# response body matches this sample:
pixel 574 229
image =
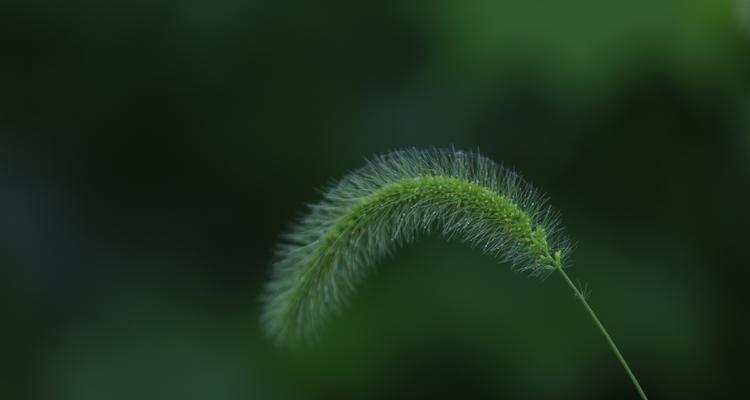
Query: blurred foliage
pixel 151 152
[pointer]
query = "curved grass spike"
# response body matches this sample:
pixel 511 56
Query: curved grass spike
pixel 391 201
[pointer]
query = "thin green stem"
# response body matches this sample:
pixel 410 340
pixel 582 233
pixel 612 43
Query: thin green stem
pixel 581 297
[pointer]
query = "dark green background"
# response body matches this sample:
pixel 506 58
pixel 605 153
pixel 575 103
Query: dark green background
pixel 152 152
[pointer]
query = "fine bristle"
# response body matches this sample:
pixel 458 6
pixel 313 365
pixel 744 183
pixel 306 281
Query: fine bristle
pixel 391 201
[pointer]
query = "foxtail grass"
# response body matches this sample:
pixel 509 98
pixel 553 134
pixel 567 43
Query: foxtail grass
pixel 393 200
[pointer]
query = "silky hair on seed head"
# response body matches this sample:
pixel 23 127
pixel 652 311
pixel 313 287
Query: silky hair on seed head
pixel 391 201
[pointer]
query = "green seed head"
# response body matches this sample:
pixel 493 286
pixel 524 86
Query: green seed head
pixel 390 202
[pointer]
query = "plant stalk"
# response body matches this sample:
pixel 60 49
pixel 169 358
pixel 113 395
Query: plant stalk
pixel 624 363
